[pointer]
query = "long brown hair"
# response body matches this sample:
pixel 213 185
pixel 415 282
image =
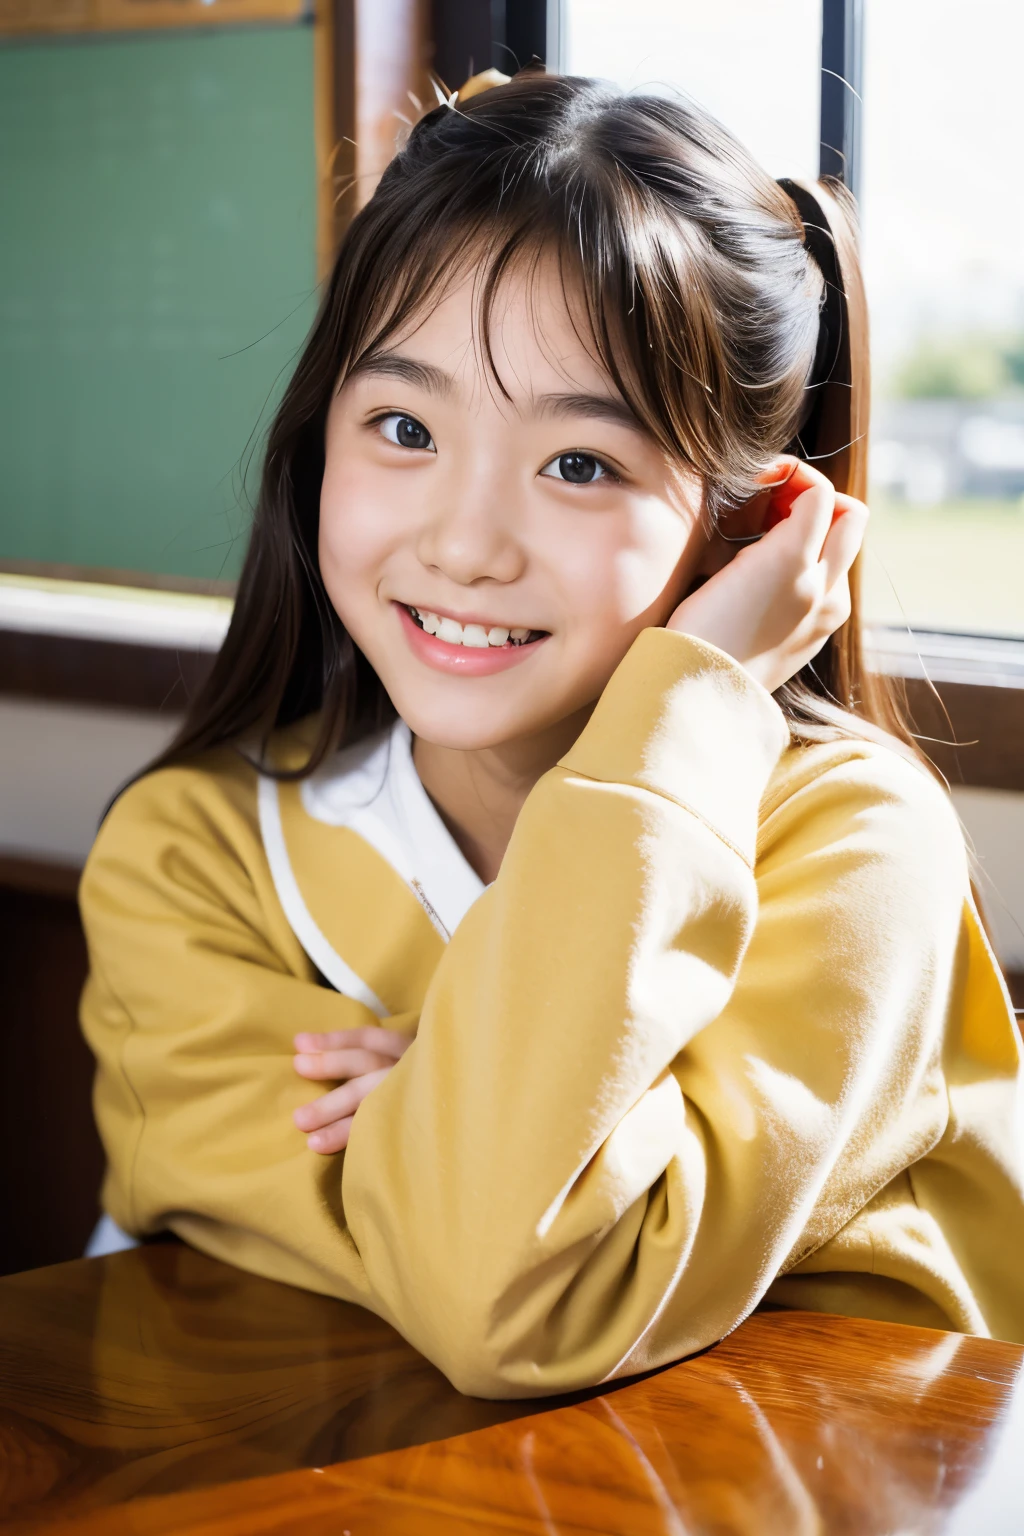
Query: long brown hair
pixel 727 308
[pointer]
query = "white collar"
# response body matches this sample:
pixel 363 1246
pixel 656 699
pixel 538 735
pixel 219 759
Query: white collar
pixel 374 790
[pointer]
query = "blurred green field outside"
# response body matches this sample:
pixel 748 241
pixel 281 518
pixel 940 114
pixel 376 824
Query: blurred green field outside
pixel 957 566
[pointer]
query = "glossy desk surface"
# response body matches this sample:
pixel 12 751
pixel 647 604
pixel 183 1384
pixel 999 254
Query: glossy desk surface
pixel 159 1391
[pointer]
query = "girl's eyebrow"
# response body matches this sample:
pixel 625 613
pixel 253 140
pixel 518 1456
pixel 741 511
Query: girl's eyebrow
pixel 610 408
pixel 435 381
pixel 393 365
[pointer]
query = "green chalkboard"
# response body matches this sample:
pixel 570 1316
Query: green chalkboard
pixel 157 274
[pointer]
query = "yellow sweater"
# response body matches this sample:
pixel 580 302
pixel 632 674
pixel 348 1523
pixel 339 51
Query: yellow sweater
pixel 725 1027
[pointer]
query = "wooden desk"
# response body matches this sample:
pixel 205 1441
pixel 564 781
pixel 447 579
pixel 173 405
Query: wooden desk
pixel 159 1391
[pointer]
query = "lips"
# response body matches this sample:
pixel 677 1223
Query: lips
pixel 476 649
pixel 474 636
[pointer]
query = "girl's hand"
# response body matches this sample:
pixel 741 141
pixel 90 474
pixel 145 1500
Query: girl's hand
pixel 777 602
pixel 361 1058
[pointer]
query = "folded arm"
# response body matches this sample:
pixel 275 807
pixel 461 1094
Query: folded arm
pixel 640 1082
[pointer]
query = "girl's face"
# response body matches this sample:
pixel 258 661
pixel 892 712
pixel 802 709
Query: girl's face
pixel 495 558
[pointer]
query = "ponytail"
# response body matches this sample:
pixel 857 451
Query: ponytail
pixel 836 692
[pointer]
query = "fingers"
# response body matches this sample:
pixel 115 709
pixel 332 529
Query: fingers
pixel 383 1042
pixel 833 604
pixel 785 480
pixel 325 1066
pixel 843 540
pixel 774 605
pixel 810 518
pixel 362 1058
pixel 327 1112
pixel 807 501
pixel 789 476
pixel 348 1052
pixel 334 1138
pixel 826 526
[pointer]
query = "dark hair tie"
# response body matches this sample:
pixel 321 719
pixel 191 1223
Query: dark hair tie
pixel 821 247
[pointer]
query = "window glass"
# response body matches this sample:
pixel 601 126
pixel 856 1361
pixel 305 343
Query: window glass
pixel 754 65
pixel 943 224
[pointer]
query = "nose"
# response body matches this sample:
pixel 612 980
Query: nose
pixel 469 532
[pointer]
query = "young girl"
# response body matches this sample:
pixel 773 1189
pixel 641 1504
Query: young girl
pixel 551 812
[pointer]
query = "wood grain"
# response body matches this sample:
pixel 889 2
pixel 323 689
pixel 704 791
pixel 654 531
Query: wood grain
pixel 163 1370
pixel 115 576
pixel 151 678
pixel 25 17
pixel 973 733
pixel 380 70
pixel 160 1369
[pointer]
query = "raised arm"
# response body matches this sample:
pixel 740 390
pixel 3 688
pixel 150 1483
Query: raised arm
pixel 600 1151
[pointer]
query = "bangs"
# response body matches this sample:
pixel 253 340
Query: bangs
pixel 491 262
pixel 643 289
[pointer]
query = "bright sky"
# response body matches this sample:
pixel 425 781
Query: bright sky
pixel 943 194
pixel 734 56
pixel 943 187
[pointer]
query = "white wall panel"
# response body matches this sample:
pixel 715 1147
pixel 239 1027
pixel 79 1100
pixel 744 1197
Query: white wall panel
pixel 59 766
pixel 994 822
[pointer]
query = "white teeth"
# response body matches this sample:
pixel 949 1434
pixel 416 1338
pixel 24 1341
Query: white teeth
pixel 476 636
pixel 449 630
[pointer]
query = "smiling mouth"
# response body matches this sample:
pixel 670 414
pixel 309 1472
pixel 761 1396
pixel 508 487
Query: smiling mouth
pixel 474 636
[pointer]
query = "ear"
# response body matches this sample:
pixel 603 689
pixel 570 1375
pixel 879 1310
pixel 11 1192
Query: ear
pixel 739 525
pixel 747 520
pixel 729 535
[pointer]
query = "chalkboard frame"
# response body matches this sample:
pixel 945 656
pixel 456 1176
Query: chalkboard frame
pixel 33 18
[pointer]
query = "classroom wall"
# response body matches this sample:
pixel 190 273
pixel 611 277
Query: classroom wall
pixel 59 766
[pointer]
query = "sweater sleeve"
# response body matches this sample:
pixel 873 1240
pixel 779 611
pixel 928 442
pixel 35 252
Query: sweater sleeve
pixel 599 1151
pixel 196 987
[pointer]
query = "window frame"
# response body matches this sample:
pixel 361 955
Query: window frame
pixel 842 91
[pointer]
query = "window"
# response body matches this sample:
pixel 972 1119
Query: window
pixel 942 201
pixel 754 65
pixel 943 221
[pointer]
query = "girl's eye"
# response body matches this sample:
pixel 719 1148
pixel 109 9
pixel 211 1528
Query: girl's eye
pixel 577 469
pixel 406 432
